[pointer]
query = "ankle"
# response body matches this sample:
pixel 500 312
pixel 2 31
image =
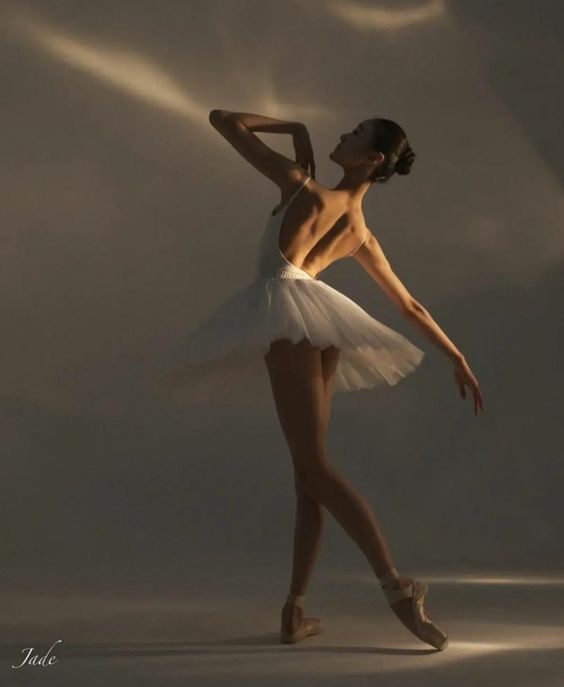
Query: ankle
pixel 392 579
pixel 389 578
pixel 295 599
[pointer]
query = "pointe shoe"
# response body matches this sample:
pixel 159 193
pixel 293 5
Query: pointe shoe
pixel 425 629
pixel 306 628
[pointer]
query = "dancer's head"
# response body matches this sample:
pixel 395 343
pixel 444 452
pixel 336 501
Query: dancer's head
pixel 376 146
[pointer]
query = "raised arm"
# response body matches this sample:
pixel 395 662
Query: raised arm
pixel 238 128
pixel 372 258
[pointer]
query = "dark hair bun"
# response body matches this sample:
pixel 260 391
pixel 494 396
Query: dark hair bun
pixel 403 165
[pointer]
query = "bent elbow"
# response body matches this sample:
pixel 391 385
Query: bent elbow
pixel 216 116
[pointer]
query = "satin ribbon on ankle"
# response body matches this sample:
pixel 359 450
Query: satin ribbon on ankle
pixel 389 578
pixel 296 600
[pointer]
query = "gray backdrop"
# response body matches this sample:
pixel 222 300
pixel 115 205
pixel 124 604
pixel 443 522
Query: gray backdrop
pixel 126 218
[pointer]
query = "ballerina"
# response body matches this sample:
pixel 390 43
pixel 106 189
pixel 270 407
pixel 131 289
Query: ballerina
pixel 316 341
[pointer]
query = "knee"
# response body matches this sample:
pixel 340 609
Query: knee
pixel 311 477
pixel 303 491
pixel 302 486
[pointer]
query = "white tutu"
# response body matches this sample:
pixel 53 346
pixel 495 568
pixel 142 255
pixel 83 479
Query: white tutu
pixel 225 354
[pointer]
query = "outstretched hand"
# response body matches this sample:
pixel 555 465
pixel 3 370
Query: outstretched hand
pixel 464 376
pixel 304 149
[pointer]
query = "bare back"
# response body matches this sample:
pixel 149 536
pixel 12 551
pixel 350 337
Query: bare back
pixel 318 228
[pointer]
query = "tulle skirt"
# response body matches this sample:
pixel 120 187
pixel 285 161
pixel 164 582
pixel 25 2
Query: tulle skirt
pixel 224 354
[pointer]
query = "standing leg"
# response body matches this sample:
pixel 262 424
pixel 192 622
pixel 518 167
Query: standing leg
pixel 310 513
pixel 308 531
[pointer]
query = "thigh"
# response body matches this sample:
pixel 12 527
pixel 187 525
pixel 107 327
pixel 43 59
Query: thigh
pixel 296 380
pixel 329 363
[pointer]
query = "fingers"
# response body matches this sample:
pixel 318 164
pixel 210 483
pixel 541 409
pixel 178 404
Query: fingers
pixel 478 401
pixel 308 166
pixel 476 397
pixel 469 380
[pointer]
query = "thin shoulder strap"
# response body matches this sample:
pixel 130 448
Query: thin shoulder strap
pixel 360 244
pixel 298 190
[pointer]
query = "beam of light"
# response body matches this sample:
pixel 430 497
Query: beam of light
pixel 474 579
pixel 369 17
pixel 488 636
pixel 120 68
pixel 256 82
pixel 278 109
pixel 507 580
pixel 137 75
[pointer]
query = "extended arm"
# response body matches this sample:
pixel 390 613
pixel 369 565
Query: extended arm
pixel 371 256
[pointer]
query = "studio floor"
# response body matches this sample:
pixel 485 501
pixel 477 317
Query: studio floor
pixel 503 630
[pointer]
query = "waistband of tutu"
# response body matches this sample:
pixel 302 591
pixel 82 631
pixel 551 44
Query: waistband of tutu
pixel 292 272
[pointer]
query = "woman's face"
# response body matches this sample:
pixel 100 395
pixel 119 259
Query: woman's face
pixel 355 146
